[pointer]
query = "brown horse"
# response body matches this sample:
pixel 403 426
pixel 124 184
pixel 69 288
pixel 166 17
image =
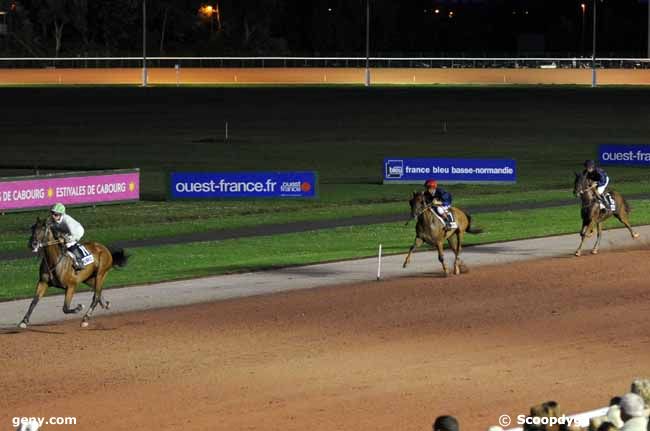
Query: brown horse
pixel 431 229
pixel 56 270
pixel 593 215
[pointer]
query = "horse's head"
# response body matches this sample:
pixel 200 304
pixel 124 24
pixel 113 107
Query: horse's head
pixel 41 234
pixel 582 187
pixel 417 204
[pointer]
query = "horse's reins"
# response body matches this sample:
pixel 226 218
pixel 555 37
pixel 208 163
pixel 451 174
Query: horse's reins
pixel 415 217
pixel 41 250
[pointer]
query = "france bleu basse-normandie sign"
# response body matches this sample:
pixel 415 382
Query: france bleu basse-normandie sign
pixel 412 170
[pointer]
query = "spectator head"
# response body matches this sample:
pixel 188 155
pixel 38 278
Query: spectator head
pixel 607 426
pixel 446 423
pixel 615 401
pixel 632 406
pixel 28 426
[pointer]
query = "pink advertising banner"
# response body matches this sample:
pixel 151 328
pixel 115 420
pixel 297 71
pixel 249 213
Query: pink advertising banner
pixel 70 189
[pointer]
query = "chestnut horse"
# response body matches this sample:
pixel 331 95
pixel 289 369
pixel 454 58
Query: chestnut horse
pixel 56 270
pixel 593 215
pixel 431 229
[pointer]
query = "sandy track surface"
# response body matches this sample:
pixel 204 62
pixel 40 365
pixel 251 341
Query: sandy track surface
pixel 315 75
pixel 384 356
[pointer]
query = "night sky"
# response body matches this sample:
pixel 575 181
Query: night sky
pixel 328 27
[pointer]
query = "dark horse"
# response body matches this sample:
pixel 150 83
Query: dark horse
pixel 593 216
pixel 56 270
pixel 431 229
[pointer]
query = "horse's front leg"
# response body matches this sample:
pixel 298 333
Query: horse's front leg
pixel 69 293
pixel 441 257
pixel 583 235
pixel 418 242
pixel 41 288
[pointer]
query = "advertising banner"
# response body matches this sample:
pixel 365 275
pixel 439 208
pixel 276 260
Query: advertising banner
pixel 400 170
pixel 214 185
pixel 631 155
pixel 79 188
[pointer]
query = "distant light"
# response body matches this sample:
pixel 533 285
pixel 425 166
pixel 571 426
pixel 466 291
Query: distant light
pixel 451 14
pixel 514 12
pixel 329 9
pixel 206 10
pixel 526 12
pixel 583 7
pixel 437 11
pixel 425 11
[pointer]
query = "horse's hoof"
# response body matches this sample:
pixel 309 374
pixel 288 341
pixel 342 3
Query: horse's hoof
pixel 635 235
pixel 84 324
pixel 108 305
pixel 22 325
pixel 578 253
pixel 456 271
pixel 594 251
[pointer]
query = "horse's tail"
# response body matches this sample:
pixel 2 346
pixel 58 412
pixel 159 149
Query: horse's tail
pixel 120 258
pixel 469 224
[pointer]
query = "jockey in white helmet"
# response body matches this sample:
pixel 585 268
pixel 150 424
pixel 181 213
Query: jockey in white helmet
pixel 71 230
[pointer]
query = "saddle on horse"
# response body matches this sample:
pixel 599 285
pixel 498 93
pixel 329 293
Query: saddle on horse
pixel 606 201
pixel 80 256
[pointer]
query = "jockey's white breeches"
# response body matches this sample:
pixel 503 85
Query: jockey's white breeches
pixel 442 210
pixel 601 189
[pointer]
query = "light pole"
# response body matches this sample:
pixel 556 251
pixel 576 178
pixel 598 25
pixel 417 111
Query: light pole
pixel 367 43
pixel 593 52
pixel 144 43
pixel 583 7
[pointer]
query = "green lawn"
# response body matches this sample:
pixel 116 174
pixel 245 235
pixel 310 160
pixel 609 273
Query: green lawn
pixel 343 133
pixel 150 264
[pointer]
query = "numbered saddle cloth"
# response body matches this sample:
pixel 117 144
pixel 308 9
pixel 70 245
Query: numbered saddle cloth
pixel 83 255
pixel 609 202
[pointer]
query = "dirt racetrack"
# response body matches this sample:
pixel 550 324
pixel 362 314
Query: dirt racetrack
pixel 384 356
pixel 310 76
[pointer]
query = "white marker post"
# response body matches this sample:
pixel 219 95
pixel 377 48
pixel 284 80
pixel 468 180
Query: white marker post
pixel 226 131
pixel 379 264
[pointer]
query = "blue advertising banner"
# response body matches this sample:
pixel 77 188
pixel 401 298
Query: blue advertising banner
pixel 210 185
pixel 631 155
pixel 398 170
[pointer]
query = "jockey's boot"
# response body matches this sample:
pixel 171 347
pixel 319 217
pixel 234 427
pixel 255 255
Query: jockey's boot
pixel 77 264
pixel 448 223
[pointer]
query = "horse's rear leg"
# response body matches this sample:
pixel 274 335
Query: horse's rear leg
pixel 417 243
pixel 41 288
pixel 599 230
pixel 622 217
pixel 441 257
pixel 97 299
pixel 455 244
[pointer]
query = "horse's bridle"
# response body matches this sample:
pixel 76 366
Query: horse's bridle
pixel 40 246
pixel 419 213
pixel 583 191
